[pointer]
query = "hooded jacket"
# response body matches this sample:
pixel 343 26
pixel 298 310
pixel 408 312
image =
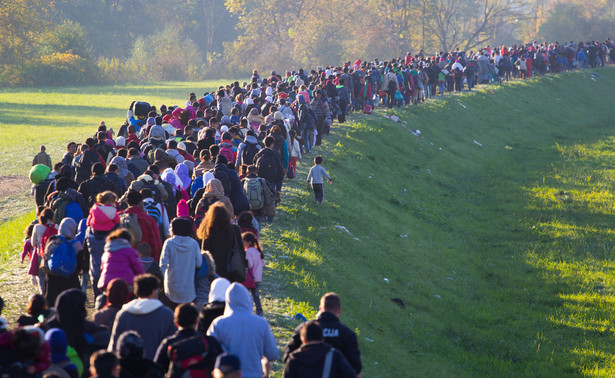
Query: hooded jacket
pixel 119 260
pixel 180 258
pixel 148 317
pixel 244 334
pixel 103 218
pixel 216 304
pixel 249 140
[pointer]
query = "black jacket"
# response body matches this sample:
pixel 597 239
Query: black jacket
pixel 309 361
pixel 269 165
pixel 336 334
pixel 97 184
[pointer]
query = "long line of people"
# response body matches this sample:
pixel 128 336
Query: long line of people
pixel 151 216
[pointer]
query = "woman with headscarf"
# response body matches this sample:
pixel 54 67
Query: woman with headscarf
pixel 117 295
pixel 55 284
pixel 83 336
pixel 255 119
pixel 183 173
pixel 180 192
pixel 214 192
pixel 123 171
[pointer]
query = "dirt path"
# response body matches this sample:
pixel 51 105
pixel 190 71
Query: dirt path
pixel 15 199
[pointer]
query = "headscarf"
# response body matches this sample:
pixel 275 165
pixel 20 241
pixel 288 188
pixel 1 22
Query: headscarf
pixel 214 189
pixel 117 293
pixel 171 177
pixel 121 164
pixel 120 141
pixel 68 228
pixel 182 171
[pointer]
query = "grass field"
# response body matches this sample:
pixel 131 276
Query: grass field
pixel 493 228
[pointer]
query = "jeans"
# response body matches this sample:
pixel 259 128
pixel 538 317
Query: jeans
pixel 258 308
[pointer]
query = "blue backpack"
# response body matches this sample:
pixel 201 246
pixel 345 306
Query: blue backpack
pixel 63 260
pixel 73 210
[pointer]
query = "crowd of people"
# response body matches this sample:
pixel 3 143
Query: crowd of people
pixel 162 220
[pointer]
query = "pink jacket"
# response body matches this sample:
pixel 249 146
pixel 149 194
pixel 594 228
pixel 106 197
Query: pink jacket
pixel 99 220
pixel 119 261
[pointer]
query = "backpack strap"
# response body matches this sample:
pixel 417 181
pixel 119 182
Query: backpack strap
pixel 326 371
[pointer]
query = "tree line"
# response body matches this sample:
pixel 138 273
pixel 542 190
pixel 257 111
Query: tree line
pixel 79 42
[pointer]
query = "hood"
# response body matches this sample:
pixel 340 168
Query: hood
pixel 147 262
pixel 226 143
pixel 142 306
pixel 238 299
pixel 116 245
pixel 181 244
pixel 218 289
pixel 58 343
pixel 251 139
pixel 109 211
pixel 117 292
pixel 68 228
pixel 156 132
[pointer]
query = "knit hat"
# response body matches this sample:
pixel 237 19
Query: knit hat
pixel 130 345
pixel 183 210
pixel 117 293
pixel 151 121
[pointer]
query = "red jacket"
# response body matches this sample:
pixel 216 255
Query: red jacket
pixel 149 228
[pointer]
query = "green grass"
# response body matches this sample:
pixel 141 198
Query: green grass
pixel 502 253
pixel 55 116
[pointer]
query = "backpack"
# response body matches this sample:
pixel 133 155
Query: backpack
pixel 49 232
pixel 248 152
pixel 131 223
pixel 220 174
pixel 391 85
pixel 63 259
pixel 193 357
pixel 153 211
pixel 253 188
pixel 227 152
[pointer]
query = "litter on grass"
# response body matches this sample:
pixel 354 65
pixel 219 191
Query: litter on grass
pixel 437 296
pixel 462 105
pixel 357 239
pixel 479 144
pixel 342 228
pixel 386 280
pixel 403 236
pixel 368 339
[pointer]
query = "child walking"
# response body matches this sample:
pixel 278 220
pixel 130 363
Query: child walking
pixel 103 214
pixel 315 177
pixel 256 261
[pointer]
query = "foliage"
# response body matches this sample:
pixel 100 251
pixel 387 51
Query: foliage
pixel 23 23
pixel 51 70
pixel 67 37
pixel 579 21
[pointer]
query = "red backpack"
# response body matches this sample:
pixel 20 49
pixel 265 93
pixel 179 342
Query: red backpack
pixel 50 231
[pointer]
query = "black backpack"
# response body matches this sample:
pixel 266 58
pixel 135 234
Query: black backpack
pixel 220 174
pixel 248 152
pixel 193 357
